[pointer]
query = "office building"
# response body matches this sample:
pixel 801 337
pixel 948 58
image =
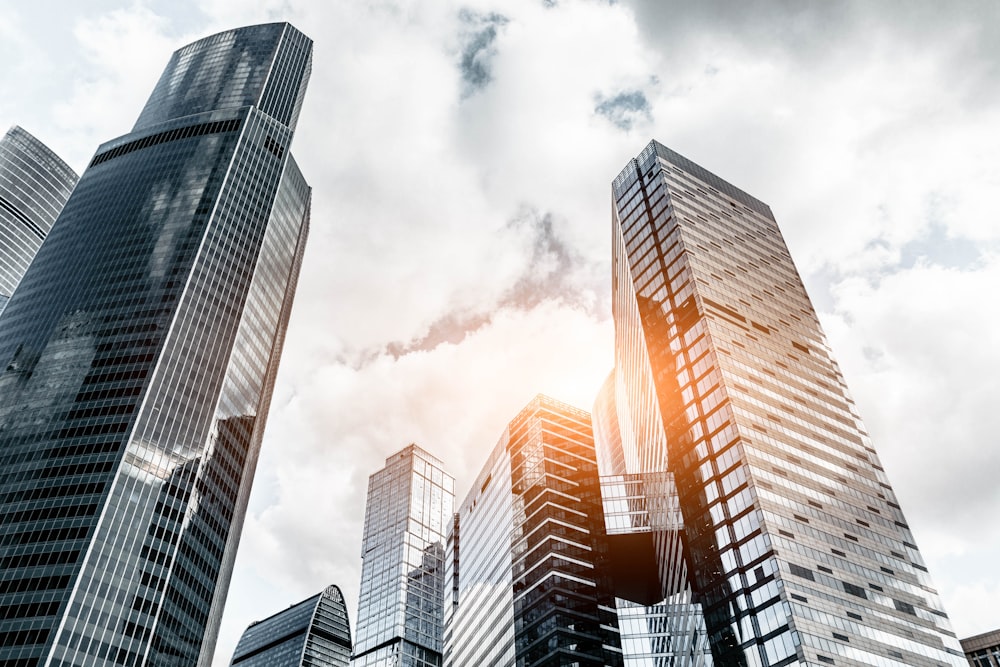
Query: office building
pixel 528 561
pixel 312 633
pixel 137 361
pixel 660 623
pixel 34 186
pixel 401 605
pixel 794 546
pixel 983 650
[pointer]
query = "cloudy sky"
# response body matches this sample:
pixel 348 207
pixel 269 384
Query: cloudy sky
pixel 461 154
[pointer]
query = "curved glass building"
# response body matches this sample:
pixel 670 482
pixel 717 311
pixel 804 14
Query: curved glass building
pixel 313 633
pixel 137 361
pixel 34 185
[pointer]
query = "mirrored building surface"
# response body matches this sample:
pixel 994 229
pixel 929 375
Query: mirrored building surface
pixel 528 557
pixel 793 545
pixel 34 185
pixel 401 604
pixel 313 633
pixel 660 623
pixel 137 361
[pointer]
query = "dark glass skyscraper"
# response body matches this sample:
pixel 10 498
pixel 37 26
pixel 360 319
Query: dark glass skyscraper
pixel 312 633
pixel 34 186
pixel 401 605
pixel 794 545
pixel 528 557
pixel 137 361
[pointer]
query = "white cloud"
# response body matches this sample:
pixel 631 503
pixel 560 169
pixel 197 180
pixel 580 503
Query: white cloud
pixel 333 425
pixel 871 134
pixel 112 61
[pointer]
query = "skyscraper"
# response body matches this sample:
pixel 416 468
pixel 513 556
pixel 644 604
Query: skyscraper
pixel 528 565
pixel 660 622
pixel 794 544
pixel 401 605
pixel 34 186
pixel 138 358
pixel 312 633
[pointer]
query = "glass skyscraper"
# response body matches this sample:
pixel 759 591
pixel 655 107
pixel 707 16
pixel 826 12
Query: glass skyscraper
pixel 401 605
pixel 34 185
pixel 660 623
pixel 312 633
pixel 528 557
pixel 794 545
pixel 137 361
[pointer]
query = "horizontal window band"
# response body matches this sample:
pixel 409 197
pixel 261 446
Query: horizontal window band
pixel 199 130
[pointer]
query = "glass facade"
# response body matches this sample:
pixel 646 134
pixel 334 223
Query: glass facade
pixel 34 186
pixel 312 633
pixel 983 650
pixel 660 622
pixel 529 557
pixel 401 605
pixel 139 354
pixel 793 544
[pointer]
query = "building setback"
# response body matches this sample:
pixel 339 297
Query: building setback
pixel 528 559
pixel 313 633
pixel 401 604
pixel 34 186
pixel 138 357
pixel 794 545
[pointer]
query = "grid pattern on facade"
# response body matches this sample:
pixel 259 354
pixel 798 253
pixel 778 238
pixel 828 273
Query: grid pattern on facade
pixel 267 68
pixel 313 633
pixel 983 650
pixel 795 543
pixel 401 604
pixel 34 186
pixel 530 577
pixel 660 623
pixel 479 616
pixel 139 354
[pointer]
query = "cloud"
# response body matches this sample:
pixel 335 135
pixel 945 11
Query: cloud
pixel 624 108
pixel 461 155
pixel 86 113
pixel 930 343
pixel 555 272
pixel 478 47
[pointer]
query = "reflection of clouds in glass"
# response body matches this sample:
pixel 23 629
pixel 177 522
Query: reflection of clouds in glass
pixel 407 517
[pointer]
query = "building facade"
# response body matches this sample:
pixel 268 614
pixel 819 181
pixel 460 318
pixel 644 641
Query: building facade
pixel 794 545
pixel 139 354
pixel 660 622
pixel 528 552
pixel 34 186
pixel 983 650
pixel 401 604
pixel 313 633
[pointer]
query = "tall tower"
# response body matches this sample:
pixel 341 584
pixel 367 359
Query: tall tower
pixel 528 562
pixel 34 186
pixel 138 358
pixel 313 633
pixel 794 544
pixel 401 605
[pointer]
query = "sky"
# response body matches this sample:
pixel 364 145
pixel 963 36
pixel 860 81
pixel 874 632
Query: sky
pixel 461 155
